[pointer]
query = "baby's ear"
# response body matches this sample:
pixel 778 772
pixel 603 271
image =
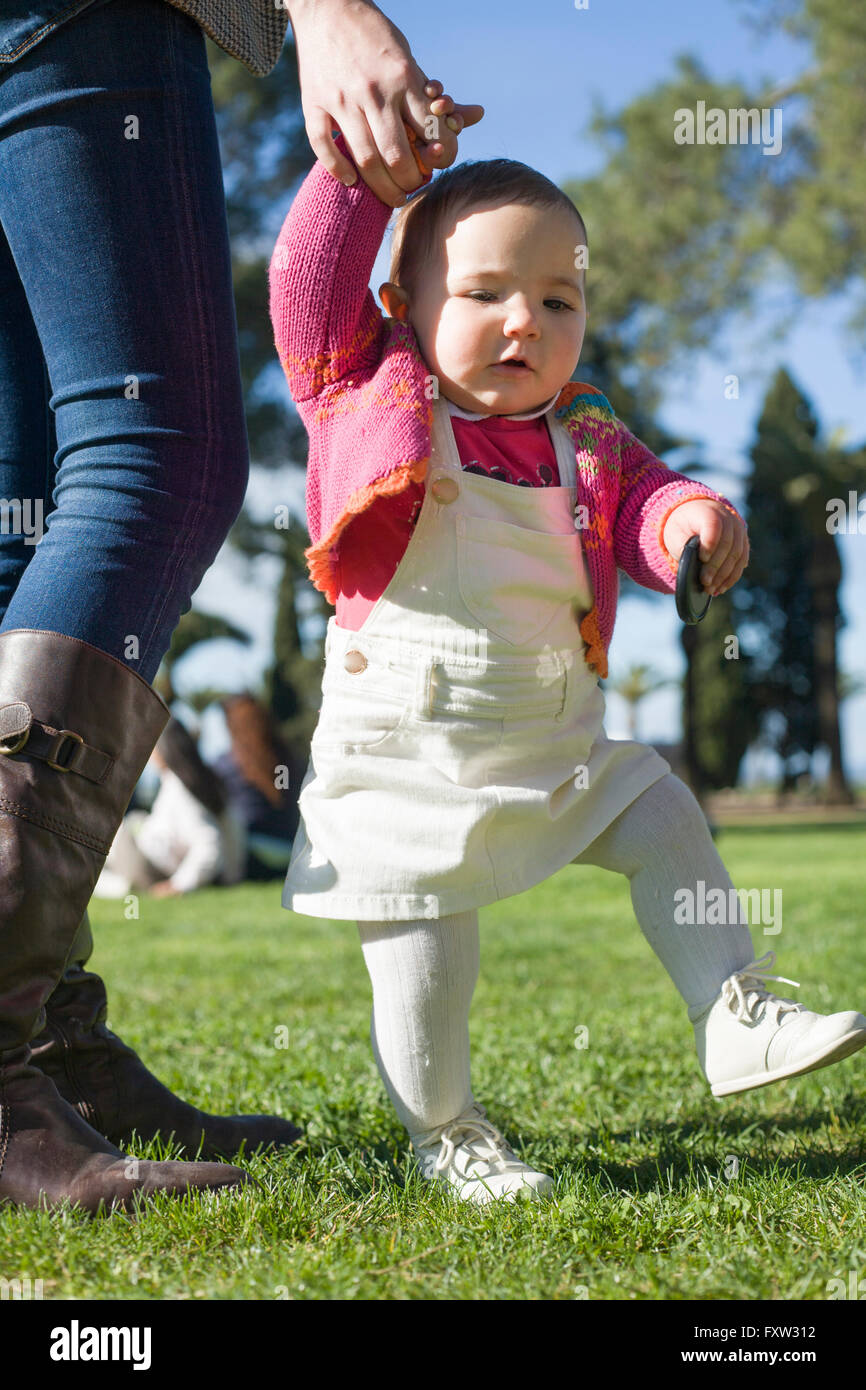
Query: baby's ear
pixel 395 300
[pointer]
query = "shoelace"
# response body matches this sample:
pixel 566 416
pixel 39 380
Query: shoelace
pixel 488 1144
pixel 745 989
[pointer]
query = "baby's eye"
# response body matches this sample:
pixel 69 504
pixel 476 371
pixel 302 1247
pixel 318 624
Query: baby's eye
pixel 489 295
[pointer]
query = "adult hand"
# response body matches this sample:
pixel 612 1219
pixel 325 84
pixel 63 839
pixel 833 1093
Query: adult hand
pixel 164 889
pixel 357 72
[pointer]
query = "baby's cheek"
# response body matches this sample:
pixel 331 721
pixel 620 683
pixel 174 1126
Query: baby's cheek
pixel 458 339
pixel 456 360
pixel 429 346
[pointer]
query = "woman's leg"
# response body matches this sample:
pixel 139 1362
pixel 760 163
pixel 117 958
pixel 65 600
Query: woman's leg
pixel 115 263
pixel 130 431
pixel 27 438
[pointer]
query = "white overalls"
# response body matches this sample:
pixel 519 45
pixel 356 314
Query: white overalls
pixel 459 755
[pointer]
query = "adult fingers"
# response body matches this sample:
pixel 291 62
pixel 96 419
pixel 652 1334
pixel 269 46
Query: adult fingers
pixel 320 126
pixel 376 153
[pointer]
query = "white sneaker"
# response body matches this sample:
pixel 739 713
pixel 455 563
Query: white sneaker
pixel 748 1037
pixel 471 1155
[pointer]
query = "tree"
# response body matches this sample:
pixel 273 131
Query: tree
pixel 292 681
pixel 265 151
pixel 814 214
pixel 676 237
pixel 194 628
pixel 790 591
pixel 683 236
pixel 639 681
pixel 718 725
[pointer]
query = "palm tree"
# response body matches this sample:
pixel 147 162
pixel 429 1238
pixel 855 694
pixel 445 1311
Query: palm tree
pixel 639 681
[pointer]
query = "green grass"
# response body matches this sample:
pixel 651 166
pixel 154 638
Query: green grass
pixel 638 1146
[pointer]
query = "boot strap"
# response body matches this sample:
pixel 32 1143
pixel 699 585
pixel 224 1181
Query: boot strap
pixel 61 749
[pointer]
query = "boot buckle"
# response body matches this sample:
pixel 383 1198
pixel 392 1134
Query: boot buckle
pixel 52 757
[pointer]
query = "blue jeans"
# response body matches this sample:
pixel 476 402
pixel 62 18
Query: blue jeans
pixel 121 410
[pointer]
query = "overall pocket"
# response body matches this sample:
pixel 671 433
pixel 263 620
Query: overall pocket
pixel 512 580
pixel 355 715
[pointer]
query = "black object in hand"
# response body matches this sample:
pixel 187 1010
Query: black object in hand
pixel 692 599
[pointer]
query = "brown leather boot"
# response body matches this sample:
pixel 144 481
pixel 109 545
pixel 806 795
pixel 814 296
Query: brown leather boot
pixel 76 729
pixel 111 1088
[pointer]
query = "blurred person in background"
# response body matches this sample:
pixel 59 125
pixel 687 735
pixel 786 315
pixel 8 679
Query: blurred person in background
pixel 264 801
pixel 188 839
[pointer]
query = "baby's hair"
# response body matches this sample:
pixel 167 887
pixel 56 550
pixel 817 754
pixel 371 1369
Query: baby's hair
pixel 472 183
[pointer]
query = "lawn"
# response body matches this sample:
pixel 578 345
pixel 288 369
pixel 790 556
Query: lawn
pixel 662 1192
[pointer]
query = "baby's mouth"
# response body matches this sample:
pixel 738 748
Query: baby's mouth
pixel 513 367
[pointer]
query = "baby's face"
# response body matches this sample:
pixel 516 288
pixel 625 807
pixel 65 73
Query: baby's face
pixel 505 285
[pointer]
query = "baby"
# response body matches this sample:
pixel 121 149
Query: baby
pixel 469 505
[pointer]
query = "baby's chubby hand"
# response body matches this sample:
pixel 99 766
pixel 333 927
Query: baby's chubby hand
pixel 440 106
pixel 724 547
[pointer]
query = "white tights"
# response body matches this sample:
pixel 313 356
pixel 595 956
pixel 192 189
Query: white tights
pixel 424 972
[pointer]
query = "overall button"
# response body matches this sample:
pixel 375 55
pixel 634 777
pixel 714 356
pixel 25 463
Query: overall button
pixel 354 661
pixel 445 489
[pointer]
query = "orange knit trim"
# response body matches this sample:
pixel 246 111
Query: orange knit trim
pixel 589 631
pixel 319 559
pixel 572 389
pixel 695 497
pixel 331 365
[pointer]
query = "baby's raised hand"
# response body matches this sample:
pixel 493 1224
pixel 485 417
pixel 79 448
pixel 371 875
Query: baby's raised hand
pixel 428 152
pixel 724 547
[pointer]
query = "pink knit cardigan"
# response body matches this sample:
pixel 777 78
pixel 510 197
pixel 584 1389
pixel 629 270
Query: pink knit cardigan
pixel 358 380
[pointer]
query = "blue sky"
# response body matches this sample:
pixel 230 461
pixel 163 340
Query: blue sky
pixel 538 70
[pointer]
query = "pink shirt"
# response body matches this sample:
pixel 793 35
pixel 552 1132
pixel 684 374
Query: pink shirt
pixel 516 449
